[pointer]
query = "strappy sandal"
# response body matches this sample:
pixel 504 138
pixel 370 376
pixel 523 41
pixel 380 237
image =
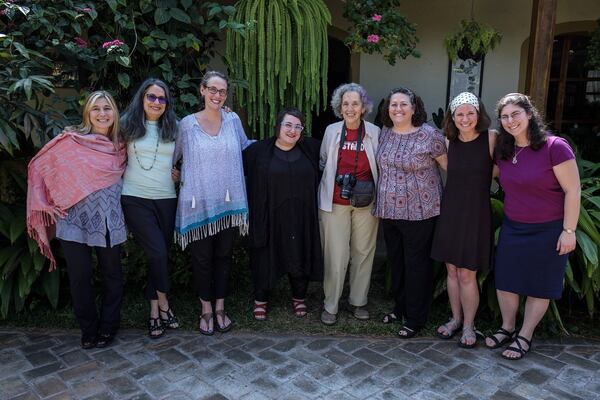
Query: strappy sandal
pixel 468 333
pixel 299 307
pixel 406 333
pixel 155 328
pixel 519 349
pixel 451 327
pixel 219 327
pixel 508 336
pixel 260 311
pixel 171 321
pixel 207 317
pixel 389 318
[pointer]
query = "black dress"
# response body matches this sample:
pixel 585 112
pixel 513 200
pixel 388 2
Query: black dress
pixel 463 234
pixel 282 198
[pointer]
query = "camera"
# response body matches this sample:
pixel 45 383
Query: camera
pixel 347 182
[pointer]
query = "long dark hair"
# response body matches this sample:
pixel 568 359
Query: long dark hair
pixel 450 129
pixel 505 145
pixel 293 111
pixel 133 120
pixel 419 116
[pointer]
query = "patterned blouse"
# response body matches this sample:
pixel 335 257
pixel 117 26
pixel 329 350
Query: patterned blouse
pixel 409 185
pixel 90 220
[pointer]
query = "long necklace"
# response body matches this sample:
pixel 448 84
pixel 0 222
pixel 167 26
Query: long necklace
pixel 138 158
pixel 514 159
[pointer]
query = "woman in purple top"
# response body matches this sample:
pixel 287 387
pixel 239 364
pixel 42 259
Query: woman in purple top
pixel 539 176
pixel 408 202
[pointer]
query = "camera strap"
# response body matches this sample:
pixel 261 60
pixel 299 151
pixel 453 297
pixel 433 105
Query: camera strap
pixel 359 140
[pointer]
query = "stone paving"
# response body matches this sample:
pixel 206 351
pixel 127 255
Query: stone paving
pixel 49 364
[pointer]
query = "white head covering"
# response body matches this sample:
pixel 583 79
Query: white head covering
pixel 464 98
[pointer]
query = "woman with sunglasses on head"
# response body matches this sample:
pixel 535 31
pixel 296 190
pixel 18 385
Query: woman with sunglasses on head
pixel 463 233
pixel 346 191
pixel 408 202
pixel 74 187
pixel 149 127
pixel 283 176
pixel 539 176
pixel 212 198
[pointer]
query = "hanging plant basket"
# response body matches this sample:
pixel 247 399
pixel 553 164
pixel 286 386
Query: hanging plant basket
pixel 472 41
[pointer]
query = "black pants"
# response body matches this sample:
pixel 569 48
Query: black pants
pixel 299 285
pixel 80 270
pixel 152 223
pixel 211 264
pixel 408 248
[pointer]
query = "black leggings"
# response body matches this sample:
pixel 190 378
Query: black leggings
pixel 212 258
pixel 152 223
pixel 80 271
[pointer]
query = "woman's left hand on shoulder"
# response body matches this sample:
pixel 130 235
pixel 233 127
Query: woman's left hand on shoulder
pixel 566 243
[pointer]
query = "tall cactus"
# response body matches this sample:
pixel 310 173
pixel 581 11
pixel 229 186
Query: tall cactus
pixel 283 58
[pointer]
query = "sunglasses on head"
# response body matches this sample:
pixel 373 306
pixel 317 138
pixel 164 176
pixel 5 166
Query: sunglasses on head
pixel 152 98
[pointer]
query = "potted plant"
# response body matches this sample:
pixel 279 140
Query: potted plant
pixel 472 41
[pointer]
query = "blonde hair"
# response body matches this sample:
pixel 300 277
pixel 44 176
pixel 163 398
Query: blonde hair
pixel 86 125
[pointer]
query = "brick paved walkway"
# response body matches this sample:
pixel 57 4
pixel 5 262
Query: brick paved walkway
pixel 49 364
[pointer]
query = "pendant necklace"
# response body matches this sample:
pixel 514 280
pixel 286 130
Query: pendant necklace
pixel 514 159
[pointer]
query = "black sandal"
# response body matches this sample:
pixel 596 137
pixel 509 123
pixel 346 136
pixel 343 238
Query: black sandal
pixel 389 318
pixel 519 349
pixel 499 343
pixel 408 332
pixel 207 318
pixel 224 328
pixel 155 329
pixel 171 321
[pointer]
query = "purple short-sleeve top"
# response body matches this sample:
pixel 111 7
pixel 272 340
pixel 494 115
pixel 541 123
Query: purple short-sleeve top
pixel 409 185
pixel 532 192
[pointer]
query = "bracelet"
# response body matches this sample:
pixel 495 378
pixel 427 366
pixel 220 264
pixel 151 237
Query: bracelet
pixel 568 230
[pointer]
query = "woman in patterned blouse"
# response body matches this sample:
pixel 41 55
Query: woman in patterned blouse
pixel 408 202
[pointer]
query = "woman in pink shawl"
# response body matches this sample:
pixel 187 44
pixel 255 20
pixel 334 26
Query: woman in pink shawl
pixel 74 189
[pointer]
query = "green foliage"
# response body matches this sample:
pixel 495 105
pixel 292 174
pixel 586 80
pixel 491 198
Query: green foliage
pixel 111 45
pixel 283 58
pixel 378 27
pixel 593 49
pixel 473 40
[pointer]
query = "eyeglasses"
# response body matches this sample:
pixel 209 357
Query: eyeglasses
pixel 514 115
pixel 214 90
pixel 152 98
pixel 289 126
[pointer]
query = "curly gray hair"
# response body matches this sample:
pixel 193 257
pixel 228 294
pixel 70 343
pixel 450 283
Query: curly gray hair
pixel 338 93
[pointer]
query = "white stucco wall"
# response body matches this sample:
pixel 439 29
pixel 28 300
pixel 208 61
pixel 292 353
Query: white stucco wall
pixel 428 75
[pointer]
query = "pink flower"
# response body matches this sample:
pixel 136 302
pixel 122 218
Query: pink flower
pixel 373 38
pixel 79 41
pixel 376 17
pixel 85 10
pixel 116 43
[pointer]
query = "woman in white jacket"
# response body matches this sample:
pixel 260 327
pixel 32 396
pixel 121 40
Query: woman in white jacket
pixel 346 194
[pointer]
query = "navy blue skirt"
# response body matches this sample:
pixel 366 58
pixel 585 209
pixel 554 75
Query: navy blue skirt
pixel 527 262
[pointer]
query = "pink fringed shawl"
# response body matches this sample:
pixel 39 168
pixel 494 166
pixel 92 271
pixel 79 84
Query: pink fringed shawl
pixel 65 171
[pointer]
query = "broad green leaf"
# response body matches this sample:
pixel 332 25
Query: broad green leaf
pixel 214 10
pixel 112 4
pixel 6 296
pixel 571 280
pixel 189 98
pixel 21 49
pixel 180 15
pixel 222 24
pixel 124 61
pixel 17 228
pixel 161 16
pixel 123 80
pixel 50 283
pixel 589 248
pixel 186 4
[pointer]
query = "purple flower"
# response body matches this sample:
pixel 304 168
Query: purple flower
pixel 376 17
pixel 115 43
pixel 83 10
pixel 373 38
pixel 79 41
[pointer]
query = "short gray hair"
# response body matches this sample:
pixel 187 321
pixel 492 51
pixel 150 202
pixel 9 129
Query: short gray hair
pixel 338 93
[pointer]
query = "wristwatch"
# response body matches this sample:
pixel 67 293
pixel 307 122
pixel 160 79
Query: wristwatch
pixel 568 230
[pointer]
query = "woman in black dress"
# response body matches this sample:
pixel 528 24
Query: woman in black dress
pixel 282 179
pixel 463 235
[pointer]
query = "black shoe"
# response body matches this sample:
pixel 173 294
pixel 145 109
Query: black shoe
pixel 88 343
pixel 104 339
